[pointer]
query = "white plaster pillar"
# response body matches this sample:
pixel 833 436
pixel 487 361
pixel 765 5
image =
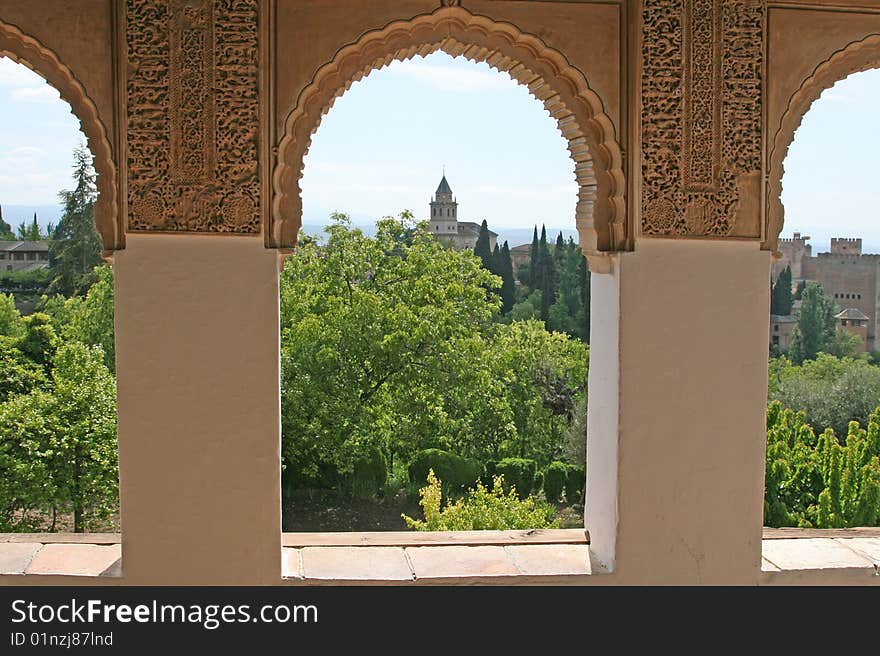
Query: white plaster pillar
pixel 197 356
pixel 677 396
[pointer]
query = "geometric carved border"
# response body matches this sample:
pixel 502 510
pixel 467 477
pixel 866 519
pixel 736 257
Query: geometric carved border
pixel 28 51
pixel 855 57
pixel 597 157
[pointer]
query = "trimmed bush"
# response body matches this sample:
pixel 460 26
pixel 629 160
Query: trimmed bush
pixel 555 477
pixel 518 473
pixel 369 475
pixel 457 473
pixel 574 484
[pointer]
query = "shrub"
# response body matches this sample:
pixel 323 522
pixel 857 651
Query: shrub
pixel 574 484
pixel 481 509
pixel 369 474
pixel 555 477
pixel 518 473
pixel 456 472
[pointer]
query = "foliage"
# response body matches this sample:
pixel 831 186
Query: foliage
pixel 557 287
pixel 10 319
pixel 369 474
pixel 519 474
pixel 820 482
pixel 39 340
pixel 781 295
pixel 76 246
pixel 816 326
pixel 830 391
pixel 18 373
pixel 554 480
pixel 480 509
pixel 58 444
pixel 574 484
pixel 392 342
pixel 457 473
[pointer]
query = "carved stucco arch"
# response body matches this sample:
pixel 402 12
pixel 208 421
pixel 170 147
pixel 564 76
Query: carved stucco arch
pixel 28 51
pixel 549 77
pixel 855 57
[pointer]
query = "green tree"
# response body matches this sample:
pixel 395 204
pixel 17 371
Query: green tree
pixel 508 285
pixel 30 232
pixel 5 229
pixel 58 444
pixel 482 248
pixel 816 326
pixel 781 296
pixel 368 332
pixel 76 246
pixel 10 319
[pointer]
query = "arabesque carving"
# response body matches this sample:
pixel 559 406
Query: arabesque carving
pixel 193 116
pixel 853 58
pixel 28 51
pixel 598 161
pixel 701 117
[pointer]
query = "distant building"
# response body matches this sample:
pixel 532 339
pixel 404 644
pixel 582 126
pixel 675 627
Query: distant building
pixel 445 224
pixel 849 277
pixel 23 255
pixel 781 330
pixel 854 321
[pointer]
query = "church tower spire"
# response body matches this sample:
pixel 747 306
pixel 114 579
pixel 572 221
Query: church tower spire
pixel 444 211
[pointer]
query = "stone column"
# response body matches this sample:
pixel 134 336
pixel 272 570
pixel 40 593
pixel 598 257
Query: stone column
pixel 678 387
pixel 199 436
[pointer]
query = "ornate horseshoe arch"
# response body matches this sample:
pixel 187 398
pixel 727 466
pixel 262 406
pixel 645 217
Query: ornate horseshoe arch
pixel 856 57
pixel 549 77
pixel 28 51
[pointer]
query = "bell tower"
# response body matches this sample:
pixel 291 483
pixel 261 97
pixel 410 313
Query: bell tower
pixel 444 211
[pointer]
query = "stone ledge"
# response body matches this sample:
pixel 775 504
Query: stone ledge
pixel 493 557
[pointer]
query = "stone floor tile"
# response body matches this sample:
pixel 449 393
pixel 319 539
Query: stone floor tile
pixel 550 559
pixel 868 547
pixel 446 562
pixel 812 553
pixel 16 556
pixel 355 563
pixel 75 559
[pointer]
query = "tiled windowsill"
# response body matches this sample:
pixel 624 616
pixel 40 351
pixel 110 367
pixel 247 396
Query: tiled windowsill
pixel 790 556
pixel 540 556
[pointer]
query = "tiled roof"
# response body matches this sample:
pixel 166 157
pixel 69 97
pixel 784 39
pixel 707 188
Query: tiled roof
pixel 851 313
pixel 24 246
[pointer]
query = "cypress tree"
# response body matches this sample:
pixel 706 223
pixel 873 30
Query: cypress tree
pixel 532 278
pixel 481 249
pixel 783 284
pixel 496 261
pixel 545 279
pixel 508 288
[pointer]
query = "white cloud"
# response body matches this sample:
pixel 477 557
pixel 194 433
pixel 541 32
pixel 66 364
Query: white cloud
pixel 43 94
pixel 451 78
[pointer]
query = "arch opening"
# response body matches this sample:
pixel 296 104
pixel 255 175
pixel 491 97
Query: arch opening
pixel 29 52
pixel 565 92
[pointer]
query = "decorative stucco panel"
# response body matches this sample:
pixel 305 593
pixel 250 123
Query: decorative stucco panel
pixel 193 116
pixel 701 117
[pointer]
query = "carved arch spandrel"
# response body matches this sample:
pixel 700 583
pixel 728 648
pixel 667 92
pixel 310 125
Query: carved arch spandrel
pixel 28 51
pixel 857 56
pixel 598 161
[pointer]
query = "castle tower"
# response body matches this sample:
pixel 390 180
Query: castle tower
pixel 444 211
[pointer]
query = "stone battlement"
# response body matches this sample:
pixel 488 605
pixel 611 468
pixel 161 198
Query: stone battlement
pixel 842 246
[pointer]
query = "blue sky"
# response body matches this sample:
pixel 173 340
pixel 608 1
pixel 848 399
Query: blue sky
pixel 383 146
